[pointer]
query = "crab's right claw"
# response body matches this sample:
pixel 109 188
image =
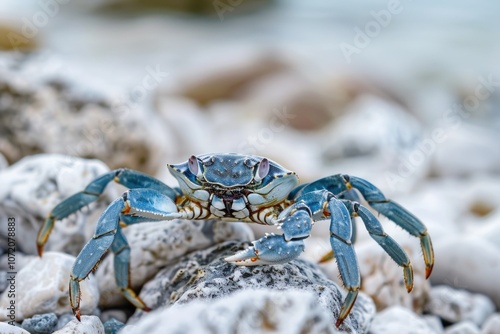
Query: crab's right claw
pixel 271 249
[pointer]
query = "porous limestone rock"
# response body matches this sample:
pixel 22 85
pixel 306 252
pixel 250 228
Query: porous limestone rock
pixel 88 325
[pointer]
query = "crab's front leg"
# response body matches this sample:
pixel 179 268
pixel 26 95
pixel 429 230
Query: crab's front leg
pixel 135 204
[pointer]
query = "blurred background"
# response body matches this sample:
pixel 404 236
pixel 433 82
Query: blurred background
pixel 402 93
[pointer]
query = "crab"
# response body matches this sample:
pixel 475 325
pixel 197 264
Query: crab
pixel 246 188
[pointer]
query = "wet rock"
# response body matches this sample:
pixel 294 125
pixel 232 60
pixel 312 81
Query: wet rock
pixel 464 327
pixel 247 311
pixel 42 287
pixel 455 305
pixel 32 187
pixel 88 325
pixel 155 245
pixel 457 265
pixel 40 323
pixel 204 275
pixel 399 320
pixel 8 329
pixel 76 120
pixel 492 324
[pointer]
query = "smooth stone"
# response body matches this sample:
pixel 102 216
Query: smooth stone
pixel 40 323
pixel 42 287
pixel 33 186
pixel 492 324
pixel 455 305
pixel 468 262
pixel 246 311
pixel 204 275
pixel 464 327
pixel 88 325
pixel 155 245
pixel 399 320
pixel 118 315
pixel 112 326
pixel 5 328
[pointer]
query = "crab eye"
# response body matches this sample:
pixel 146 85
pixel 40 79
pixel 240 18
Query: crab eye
pixel 194 166
pixel 262 170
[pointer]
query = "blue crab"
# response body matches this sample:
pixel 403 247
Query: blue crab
pixel 240 188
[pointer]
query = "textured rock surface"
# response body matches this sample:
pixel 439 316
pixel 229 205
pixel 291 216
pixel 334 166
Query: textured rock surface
pixel 205 275
pixel 399 320
pixel 40 323
pixel 42 287
pixel 88 325
pixel 455 305
pixel 32 187
pixel 8 329
pixel 247 311
pixel 94 126
pixel 155 245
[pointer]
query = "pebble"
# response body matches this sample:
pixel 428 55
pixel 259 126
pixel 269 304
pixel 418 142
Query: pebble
pixel 155 245
pixel 204 275
pixel 88 325
pixel 399 320
pixel 33 186
pixel 246 311
pixel 8 329
pixel 42 287
pixel 468 262
pixel 464 327
pixel 455 305
pixel 40 323
pixel 492 324
pixel 113 326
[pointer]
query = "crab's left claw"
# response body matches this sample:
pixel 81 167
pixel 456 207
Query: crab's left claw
pixel 271 249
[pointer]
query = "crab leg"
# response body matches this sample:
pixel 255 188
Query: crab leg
pixel 129 178
pixel 340 184
pixel 395 251
pixel 146 203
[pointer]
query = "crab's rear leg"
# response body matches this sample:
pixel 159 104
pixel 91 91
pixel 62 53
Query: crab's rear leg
pixel 129 178
pixel 397 214
pixel 145 203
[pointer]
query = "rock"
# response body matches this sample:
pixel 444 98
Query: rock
pixel 246 311
pixel 492 324
pixel 118 315
pixel 64 319
pixel 32 187
pixel 464 327
pixel 3 280
pixel 457 265
pixel 113 326
pixel 88 325
pixel 455 305
pixel 434 322
pixel 3 162
pixel 77 120
pixel 8 329
pixel 40 323
pixel 12 39
pixel 204 275
pixel 42 287
pixel 155 245
pixel 399 320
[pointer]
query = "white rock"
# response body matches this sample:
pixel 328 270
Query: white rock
pixel 455 305
pixel 3 162
pixel 42 287
pixel 33 186
pixel 88 325
pixel 492 325
pixel 434 322
pixel 154 245
pixel 464 327
pixel 468 262
pixel 399 320
pixel 8 329
pixel 248 311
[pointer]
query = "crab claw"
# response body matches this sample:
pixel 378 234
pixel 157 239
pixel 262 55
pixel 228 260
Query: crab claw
pixel 271 249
